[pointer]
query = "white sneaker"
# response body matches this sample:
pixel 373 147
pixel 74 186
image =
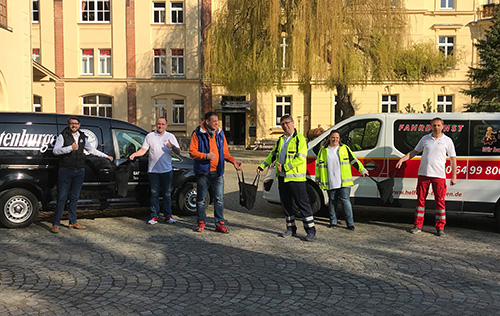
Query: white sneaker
pixel 170 220
pixel 153 221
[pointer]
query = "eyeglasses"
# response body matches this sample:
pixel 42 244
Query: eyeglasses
pixel 74 123
pixel 286 123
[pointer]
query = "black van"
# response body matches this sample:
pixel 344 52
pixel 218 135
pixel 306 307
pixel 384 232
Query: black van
pixel 28 168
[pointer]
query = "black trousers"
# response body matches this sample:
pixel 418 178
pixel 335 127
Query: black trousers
pixel 295 192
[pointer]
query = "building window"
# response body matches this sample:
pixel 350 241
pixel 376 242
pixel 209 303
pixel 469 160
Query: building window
pixel 105 62
pixel 36 54
pixel 95 10
pixel 160 109
pixel 3 13
pixel 178 112
pixel 98 105
pixel 445 103
pixel 446 45
pixel 35 11
pixel 87 61
pixel 447 4
pixel 160 62
pixel 283 107
pixel 390 103
pixel 37 103
pixel 177 13
pixel 159 13
pixel 177 61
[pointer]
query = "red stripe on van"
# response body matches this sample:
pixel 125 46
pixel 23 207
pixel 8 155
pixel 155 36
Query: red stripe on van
pixel 477 169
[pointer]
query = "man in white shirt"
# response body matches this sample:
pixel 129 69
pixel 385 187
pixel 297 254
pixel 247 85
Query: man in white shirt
pixel 160 144
pixel 435 147
pixel 69 147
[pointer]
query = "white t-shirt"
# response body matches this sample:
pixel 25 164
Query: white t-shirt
pixel 160 156
pixel 434 153
pixel 333 167
pixel 283 153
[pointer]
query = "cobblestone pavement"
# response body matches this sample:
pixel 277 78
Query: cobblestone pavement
pixel 120 265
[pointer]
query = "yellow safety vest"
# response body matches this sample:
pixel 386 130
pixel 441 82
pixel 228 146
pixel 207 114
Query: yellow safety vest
pixel 346 157
pixel 296 158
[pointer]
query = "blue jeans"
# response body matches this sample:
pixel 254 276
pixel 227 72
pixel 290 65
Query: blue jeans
pixel 216 184
pixel 68 181
pixel 160 182
pixel 342 194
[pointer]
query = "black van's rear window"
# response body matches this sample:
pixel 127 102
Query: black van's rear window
pixel 407 133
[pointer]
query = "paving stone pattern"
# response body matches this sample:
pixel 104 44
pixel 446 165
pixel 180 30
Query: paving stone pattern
pixel 121 266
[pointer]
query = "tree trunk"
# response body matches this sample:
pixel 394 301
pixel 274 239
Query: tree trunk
pixel 343 108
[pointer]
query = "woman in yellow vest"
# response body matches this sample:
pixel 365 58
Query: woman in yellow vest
pixel 333 173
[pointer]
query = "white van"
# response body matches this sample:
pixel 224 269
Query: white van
pixel 379 140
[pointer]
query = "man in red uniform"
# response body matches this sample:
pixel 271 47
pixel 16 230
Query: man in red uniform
pixel 435 147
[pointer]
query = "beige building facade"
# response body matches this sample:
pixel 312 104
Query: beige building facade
pixel 137 60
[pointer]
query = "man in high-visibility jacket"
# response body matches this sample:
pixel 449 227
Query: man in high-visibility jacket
pixel 290 155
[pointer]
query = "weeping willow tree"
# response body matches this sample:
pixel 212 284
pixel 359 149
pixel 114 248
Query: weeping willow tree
pixel 338 43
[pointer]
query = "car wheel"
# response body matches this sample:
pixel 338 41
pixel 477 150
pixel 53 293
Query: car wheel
pixel 19 208
pixel 187 199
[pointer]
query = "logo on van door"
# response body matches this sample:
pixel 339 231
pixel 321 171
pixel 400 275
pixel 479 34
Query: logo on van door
pixel 26 141
pixel 91 138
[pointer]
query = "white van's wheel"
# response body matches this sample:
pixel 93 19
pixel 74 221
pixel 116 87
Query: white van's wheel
pixel 19 208
pixel 497 216
pixel 314 201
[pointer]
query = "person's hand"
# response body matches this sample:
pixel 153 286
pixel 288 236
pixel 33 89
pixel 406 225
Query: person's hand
pixel 280 167
pixel 132 156
pixel 74 146
pixel 366 174
pixel 110 158
pixel 259 171
pixel 398 164
pixel 169 145
pixel 453 181
pixel 211 156
pixel 237 164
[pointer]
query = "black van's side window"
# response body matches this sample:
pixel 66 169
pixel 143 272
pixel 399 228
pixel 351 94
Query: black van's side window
pixel 485 138
pixel 407 133
pixel 127 143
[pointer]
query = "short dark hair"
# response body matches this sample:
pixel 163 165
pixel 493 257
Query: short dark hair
pixel 208 115
pixel 437 119
pixel 327 139
pixel 286 116
pixel 73 118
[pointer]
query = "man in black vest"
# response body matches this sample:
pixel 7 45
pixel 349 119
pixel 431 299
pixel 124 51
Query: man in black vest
pixel 69 146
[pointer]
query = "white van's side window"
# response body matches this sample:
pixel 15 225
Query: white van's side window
pixel 485 138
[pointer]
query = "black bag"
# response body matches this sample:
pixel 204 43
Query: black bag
pixel 248 192
pixel 385 188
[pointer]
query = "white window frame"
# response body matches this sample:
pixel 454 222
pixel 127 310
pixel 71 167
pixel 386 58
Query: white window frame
pixel 98 106
pixel 178 112
pixel 87 62
pixel 177 63
pixel 35 9
pixel 176 12
pixel 159 14
pixel 95 12
pixel 447 4
pixel 160 62
pixel 36 55
pixel 446 46
pixel 446 100
pixel 105 62
pixel 37 106
pixel 392 99
pixel 282 101
pixel 160 109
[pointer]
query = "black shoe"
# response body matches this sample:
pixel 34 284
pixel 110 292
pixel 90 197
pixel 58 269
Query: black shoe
pixel 350 227
pixel 310 237
pixel 288 233
pixel 440 233
pixel 331 225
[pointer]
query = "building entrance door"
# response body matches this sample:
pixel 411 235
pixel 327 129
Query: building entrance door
pixel 234 127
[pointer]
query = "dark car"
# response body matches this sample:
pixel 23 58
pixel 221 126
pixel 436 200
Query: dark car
pixel 28 168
